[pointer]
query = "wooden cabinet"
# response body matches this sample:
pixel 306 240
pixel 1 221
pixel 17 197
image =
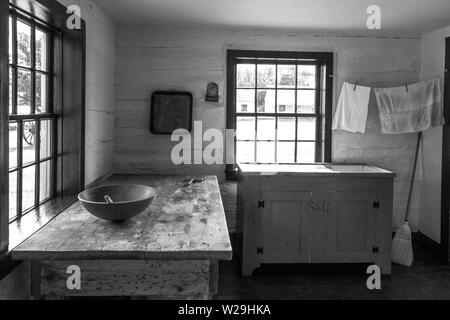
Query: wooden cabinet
pixel 305 216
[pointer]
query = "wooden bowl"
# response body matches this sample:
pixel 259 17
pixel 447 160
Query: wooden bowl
pixel 117 202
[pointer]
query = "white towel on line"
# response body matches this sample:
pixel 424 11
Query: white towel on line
pixel 411 108
pixel 352 108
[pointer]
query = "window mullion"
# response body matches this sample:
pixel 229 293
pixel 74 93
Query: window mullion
pixel 14 61
pixel 19 171
pixel 318 143
pixel 38 159
pixel 54 151
pixel 50 69
pixel 33 69
pixel 256 112
pixel 296 113
pixel 276 113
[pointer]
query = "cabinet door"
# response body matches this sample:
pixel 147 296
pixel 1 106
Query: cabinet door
pixel 283 227
pixel 351 226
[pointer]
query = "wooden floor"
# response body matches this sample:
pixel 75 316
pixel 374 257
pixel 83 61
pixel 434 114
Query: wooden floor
pixel 428 278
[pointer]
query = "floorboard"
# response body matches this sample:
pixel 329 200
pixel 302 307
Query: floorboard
pixel 428 278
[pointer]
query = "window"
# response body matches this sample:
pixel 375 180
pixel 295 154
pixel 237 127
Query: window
pixel 279 104
pixel 32 123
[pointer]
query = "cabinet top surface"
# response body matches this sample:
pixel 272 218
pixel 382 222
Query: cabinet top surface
pixel 182 223
pixel 313 169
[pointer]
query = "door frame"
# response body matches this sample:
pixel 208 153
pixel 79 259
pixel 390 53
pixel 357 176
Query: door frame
pixel 445 193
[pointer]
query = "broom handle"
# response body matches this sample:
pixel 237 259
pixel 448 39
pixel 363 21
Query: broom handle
pixel 411 186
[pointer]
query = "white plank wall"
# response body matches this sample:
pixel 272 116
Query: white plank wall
pixel 100 69
pixel 150 58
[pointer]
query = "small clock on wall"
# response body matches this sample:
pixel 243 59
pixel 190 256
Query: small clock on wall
pixel 212 92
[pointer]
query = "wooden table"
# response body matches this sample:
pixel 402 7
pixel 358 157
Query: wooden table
pixel 170 251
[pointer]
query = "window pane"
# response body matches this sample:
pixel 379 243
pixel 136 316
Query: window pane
pixel 245 151
pixel 286 152
pixel 23 92
pixel 45 177
pixel 266 76
pixel 245 75
pixel 41 93
pixel 306 129
pixel 29 142
pixel 265 152
pixel 306 101
pixel 11 78
pixel 23 44
pixel 306 77
pixel 41 50
pixel 245 101
pixel 46 138
pixel 286 101
pixel 306 152
pixel 266 101
pixel 10 46
pixel 12 144
pixel 245 128
pixel 12 195
pixel 266 128
pixel 286 129
pixel 286 76
pixel 28 188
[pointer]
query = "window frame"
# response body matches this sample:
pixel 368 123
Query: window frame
pixel 324 81
pixel 69 101
pixel 20 119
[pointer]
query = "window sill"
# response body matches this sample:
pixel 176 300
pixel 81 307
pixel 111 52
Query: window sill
pixel 23 228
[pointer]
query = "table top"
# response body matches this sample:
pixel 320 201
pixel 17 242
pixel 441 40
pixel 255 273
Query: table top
pixel 183 223
pixel 349 170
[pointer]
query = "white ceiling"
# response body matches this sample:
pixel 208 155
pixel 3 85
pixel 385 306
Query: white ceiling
pixel 399 17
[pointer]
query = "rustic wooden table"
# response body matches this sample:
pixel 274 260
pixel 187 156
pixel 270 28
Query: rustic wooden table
pixel 170 251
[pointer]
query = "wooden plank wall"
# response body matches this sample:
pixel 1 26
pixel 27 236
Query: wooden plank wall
pixel 153 58
pixel 100 67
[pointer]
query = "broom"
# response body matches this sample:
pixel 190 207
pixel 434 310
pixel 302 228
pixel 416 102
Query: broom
pixel 402 251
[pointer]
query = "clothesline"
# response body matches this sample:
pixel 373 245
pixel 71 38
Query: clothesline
pixel 417 109
pixel 356 83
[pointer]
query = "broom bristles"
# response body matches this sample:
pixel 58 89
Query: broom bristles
pixel 402 251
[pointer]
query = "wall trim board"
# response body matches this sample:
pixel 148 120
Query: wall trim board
pixel 445 187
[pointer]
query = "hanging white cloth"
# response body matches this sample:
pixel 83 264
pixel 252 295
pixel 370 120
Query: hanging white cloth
pixel 352 108
pixel 410 108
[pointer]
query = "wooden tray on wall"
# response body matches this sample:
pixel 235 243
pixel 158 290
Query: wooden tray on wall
pixel 170 110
